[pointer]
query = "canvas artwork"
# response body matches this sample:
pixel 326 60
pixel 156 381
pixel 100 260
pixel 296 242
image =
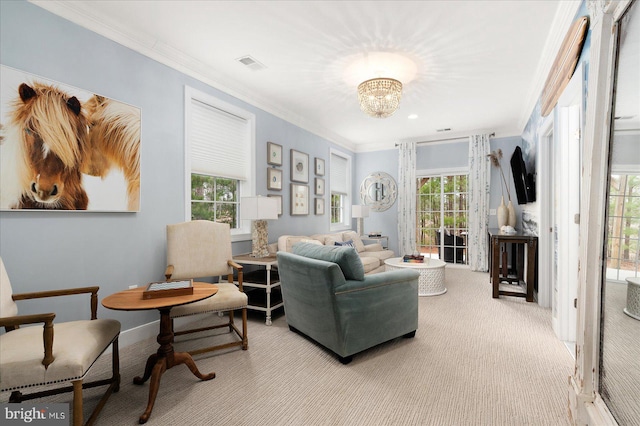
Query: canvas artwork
pixel 65 148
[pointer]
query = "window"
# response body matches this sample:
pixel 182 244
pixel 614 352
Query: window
pixel 623 257
pixel 340 182
pixel 442 210
pixel 219 157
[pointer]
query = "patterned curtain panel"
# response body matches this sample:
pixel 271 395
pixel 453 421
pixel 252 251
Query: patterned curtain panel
pixel 407 198
pixel 479 181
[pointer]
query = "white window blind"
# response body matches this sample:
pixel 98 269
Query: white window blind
pixel 338 174
pixel 219 141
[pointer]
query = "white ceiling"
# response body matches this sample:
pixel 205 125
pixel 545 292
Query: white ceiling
pixel 480 64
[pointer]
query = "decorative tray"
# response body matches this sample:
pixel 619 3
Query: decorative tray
pixel 168 289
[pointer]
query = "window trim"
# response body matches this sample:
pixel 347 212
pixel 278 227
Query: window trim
pixel 246 188
pixel 346 224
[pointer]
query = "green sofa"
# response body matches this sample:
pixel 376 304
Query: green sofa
pixel 328 298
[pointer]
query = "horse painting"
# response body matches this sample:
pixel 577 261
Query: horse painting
pixel 52 134
pixel 114 140
pixel 53 143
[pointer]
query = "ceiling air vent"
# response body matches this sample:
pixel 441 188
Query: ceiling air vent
pixel 448 129
pixel 251 63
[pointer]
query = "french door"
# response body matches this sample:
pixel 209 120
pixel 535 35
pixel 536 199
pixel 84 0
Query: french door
pixel 441 214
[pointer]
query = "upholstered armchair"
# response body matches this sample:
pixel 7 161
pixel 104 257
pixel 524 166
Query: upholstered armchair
pixel 328 298
pixel 47 353
pixel 199 249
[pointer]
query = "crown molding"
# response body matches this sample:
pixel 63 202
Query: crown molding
pixel 167 55
pixel 561 23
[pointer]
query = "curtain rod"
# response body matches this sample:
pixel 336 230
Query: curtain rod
pixel 449 139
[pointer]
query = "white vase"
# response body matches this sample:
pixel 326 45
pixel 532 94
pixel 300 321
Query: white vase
pixel 503 214
pixel 512 215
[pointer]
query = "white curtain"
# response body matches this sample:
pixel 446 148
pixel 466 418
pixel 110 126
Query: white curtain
pixel 407 198
pixel 479 181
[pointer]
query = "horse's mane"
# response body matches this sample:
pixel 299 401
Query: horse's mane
pixel 48 114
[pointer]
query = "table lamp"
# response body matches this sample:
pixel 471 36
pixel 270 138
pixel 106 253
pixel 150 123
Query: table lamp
pixel 259 209
pixel 359 212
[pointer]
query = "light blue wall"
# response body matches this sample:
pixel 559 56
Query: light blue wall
pixel 387 221
pixel 114 250
pixel 434 156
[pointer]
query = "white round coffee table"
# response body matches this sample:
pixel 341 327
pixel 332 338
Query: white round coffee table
pixel 431 281
pixel 633 298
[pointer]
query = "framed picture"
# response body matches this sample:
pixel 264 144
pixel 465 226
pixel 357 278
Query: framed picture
pixel 319 186
pixel 274 154
pixel 274 179
pixel 107 179
pixel 319 166
pixel 279 202
pixel 299 199
pixel 299 166
pixel 319 206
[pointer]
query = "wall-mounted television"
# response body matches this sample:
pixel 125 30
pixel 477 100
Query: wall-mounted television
pixel 525 182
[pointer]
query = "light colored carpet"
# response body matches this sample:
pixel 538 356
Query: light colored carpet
pixel 474 361
pixel 620 375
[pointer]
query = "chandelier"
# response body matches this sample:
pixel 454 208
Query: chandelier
pixel 380 97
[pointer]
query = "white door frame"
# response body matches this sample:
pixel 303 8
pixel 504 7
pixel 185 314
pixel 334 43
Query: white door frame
pixel 568 161
pixel 545 237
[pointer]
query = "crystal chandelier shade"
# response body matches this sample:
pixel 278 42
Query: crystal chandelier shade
pixel 380 97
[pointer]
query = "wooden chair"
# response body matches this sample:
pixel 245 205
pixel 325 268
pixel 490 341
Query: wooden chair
pixel 67 358
pixel 202 248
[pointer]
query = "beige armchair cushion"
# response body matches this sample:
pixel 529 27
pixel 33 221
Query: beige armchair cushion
pixel 227 298
pixel 195 260
pixel 76 346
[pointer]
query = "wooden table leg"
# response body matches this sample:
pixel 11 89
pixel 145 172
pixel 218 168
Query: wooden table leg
pixel 495 267
pixel 163 360
pixel 532 248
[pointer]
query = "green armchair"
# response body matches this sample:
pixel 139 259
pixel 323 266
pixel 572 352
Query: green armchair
pixel 328 298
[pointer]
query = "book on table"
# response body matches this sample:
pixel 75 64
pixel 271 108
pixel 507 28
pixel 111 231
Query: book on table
pixel 168 289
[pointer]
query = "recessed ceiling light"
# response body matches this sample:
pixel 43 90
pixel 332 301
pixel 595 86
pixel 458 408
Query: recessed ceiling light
pixel 412 116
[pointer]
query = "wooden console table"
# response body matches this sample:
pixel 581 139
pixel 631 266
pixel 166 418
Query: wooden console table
pixel 498 274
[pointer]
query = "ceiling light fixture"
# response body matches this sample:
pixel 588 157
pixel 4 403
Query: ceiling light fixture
pixel 380 97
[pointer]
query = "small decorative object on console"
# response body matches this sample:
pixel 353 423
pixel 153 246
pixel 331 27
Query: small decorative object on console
pixel 375 234
pixel 168 289
pixel 412 258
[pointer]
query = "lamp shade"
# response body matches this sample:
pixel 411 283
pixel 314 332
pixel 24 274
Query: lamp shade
pixel 258 208
pixel 359 211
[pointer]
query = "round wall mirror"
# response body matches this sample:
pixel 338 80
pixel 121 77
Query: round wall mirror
pixel 378 191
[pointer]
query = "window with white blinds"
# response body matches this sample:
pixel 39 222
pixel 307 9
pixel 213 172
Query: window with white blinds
pixel 219 160
pixel 340 184
pixel 338 174
pixel 219 142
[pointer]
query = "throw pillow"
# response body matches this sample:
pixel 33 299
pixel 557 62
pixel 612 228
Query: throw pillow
pixel 357 241
pixel 345 243
pixel 346 257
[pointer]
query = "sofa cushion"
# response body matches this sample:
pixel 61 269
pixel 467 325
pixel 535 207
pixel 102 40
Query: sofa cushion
pixel 357 241
pixel 286 242
pixel 370 263
pixel 346 257
pixel 345 244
